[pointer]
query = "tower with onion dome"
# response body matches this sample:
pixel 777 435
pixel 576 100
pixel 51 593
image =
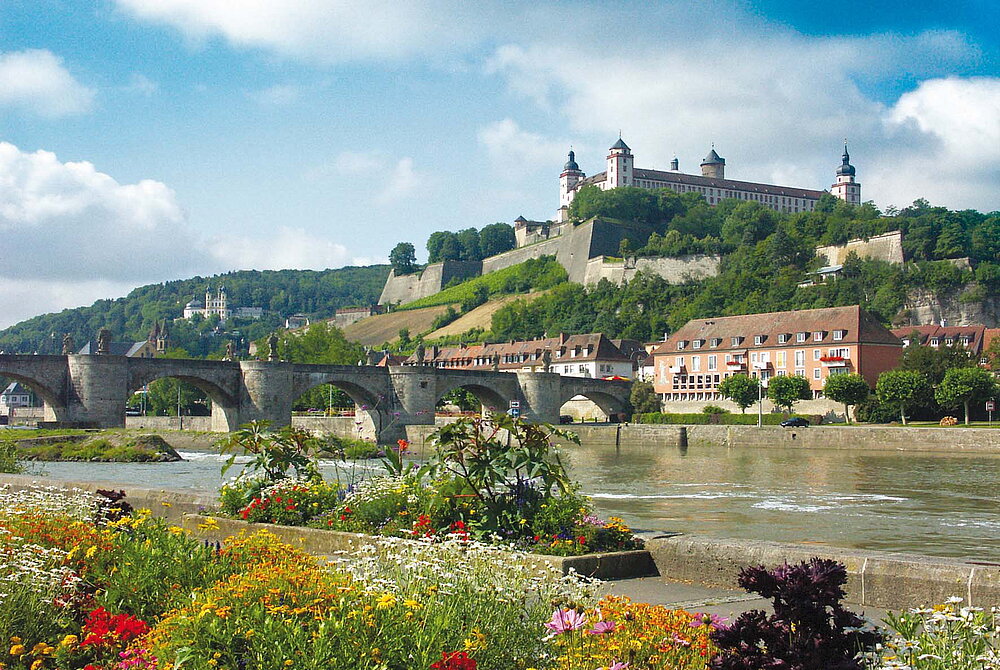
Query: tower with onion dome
pixel 846 188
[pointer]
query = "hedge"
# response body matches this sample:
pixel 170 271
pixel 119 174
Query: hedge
pixel 720 419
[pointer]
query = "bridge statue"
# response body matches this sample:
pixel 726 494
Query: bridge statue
pixel 272 348
pixel 103 342
pixel 68 346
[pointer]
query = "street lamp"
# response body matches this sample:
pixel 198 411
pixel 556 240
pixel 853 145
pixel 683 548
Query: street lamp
pixel 760 392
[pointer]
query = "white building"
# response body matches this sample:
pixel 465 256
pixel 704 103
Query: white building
pixel 711 184
pixel 14 396
pixel 218 304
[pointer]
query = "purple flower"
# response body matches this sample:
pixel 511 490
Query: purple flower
pixel 602 627
pixel 712 620
pixel 565 620
pixel 618 666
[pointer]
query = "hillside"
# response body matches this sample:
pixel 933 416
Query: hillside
pixel 381 328
pixel 481 317
pixel 315 293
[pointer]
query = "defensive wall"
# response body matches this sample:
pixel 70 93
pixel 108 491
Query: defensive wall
pixel 875 579
pixel 580 249
pixel 886 247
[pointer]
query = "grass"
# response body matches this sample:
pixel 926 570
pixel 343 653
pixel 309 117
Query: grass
pixel 106 446
pixel 538 273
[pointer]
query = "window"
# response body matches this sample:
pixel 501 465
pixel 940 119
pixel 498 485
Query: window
pixel 759 339
pixel 781 359
pixel 716 341
pixel 753 357
pixel 817 354
pixel 681 344
pixel 844 353
pixel 736 341
pixel 839 334
pixel 800 337
pixel 696 364
pixel 800 358
pixel 818 335
pixel 783 338
pixel 935 342
pixel 816 373
pixel 697 344
pixel 713 362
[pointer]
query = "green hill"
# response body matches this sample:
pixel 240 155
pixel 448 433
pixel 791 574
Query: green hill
pixel 315 293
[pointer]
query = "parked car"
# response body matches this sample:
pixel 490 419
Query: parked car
pixel 565 418
pixel 795 422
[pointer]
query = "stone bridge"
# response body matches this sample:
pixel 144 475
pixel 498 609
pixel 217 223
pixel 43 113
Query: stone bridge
pixel 92 390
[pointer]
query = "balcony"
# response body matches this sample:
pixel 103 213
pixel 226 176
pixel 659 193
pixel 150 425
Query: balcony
pixel 834 361
pixel 735 365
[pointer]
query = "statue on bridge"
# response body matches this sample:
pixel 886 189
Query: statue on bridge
pixel 229 351
pixel 69 347
pixel 272 348
pixel 420 353
pixel 103 342
pixel 496 362
pixel 546 360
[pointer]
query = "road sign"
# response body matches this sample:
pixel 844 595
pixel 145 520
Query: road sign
pixel 990 406
pixel 514 412
pixel 515 404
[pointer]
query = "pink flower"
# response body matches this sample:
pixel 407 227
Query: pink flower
pixel 602 627
pixel 618 666
pixel 565 620
pixel 712 620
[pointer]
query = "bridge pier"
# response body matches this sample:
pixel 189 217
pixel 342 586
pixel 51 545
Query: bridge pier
pixel 415 390
pixel 266 393
pixel 541 393
pixel 96 389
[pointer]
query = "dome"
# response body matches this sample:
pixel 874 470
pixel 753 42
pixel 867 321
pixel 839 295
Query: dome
pixel 571 163
pixel 713 159
pixel 845 169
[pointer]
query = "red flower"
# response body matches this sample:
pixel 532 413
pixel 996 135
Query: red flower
pixel 454 660
pixel 101 629
pixel 582 539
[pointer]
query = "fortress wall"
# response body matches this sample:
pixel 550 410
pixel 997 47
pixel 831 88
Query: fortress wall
pixel 887 247
pixel 433 278
pixel 548 247
pixel 673 270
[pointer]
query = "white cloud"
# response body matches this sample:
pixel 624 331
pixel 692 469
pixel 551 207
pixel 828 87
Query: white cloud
pixel 36 81
pixel 388 179
pixel 402 183
pixel 516 151
pixel 326 31
pixel 289 248
pixel 141 84
pixel 279 94
pixel 72 235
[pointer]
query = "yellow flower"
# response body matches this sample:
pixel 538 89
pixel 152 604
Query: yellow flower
pixel 38 664
pixel 69 641
pixel 412 604
pixel 17 650
pixel 90 552
pixel 166 504
pixel 288 662
pixel 386 601
pixel 209 524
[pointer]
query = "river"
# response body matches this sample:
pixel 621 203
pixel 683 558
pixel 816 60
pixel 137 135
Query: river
pixel 912 502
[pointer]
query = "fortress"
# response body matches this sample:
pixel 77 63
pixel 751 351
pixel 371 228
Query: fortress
pixel 588 249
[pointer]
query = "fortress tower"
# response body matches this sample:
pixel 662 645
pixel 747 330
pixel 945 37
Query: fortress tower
pixel 570 177
pixel 714 165
pixel 619 166
pixel 846 188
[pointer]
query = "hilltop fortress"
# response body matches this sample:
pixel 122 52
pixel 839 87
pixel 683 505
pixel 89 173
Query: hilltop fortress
pixel 588 250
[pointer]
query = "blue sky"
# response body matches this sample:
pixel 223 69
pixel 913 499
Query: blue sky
pixel 146 140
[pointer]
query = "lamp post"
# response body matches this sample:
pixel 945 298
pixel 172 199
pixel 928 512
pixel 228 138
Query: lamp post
pixel 760 367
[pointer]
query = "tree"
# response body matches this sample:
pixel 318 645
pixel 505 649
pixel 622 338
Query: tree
pixel 741 389
pixel 642 398
pixel 784 391
pixel 468 241
pixel 850 389
pixel 902 389
pixel 496 238
pixel 934 362
pixel 964 386
pixel 403 258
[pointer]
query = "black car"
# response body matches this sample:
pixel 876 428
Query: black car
pixel 795 422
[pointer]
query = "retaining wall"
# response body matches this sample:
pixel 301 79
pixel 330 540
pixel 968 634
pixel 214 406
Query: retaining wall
pixel 197 423
pixel 876 579
pixel 983 440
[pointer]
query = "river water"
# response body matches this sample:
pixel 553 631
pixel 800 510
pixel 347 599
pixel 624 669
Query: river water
pixel 912 502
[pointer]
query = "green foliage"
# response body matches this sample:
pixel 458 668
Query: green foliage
pixel 626 203
pixel 534 274
pixel 642 397
pixel 902 389
pixel 10 462
pixel 714 409
pixel 443 319
pixel 274 453
pixel 321 343
pixel 470 244
pixel 742 389
pixel 849 389
pixel 316 294
pixel 962 386
pixel 403 258
pixel 934 362
pixel 785 390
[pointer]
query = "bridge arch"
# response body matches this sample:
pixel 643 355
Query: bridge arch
pixel 371 415
pixel 609 402
pixel 44 375
pixel 489 398
pixel 54 408
pixel 224 407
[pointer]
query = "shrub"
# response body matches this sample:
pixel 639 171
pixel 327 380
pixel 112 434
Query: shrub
pixel 714 409
pixel 9 460
pixel 809 630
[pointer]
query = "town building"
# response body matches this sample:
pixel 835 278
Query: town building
pixel 711 184
pixel 971 338
pixel 218 305
pixel 811 343
pixel 14 396
pixel 591 355
pixel 157 342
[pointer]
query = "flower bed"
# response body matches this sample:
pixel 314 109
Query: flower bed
pixel 495 479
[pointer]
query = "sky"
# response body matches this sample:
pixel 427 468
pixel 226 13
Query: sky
pixel 149 140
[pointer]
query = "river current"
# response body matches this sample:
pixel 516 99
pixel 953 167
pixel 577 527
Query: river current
pixel 912 502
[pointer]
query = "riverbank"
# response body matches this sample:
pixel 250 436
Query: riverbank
pixel 876 579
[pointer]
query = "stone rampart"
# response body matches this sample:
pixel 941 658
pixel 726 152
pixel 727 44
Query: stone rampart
pixel 432 279
pixel 673 270
pixel 886 247
pixel 874 438
pixel 510 258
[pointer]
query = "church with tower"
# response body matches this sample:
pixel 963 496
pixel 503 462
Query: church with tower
pixel 711 184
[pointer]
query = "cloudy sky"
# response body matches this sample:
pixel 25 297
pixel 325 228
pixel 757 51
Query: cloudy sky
pixel 147 140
